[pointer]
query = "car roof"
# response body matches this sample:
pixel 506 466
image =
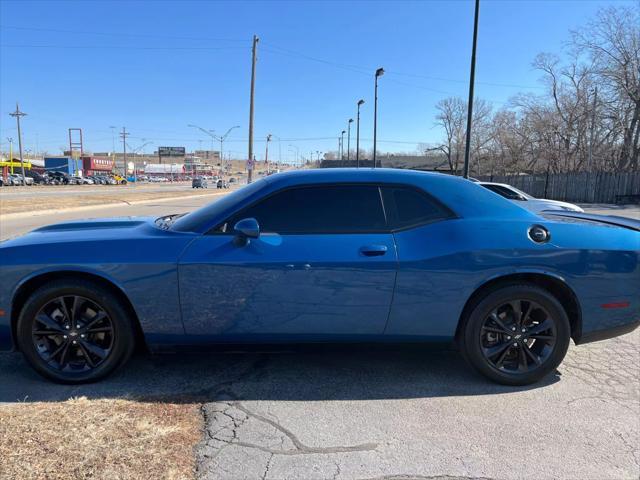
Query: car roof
pixel 463 196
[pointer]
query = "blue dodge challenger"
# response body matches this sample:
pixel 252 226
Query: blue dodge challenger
pixel 330 255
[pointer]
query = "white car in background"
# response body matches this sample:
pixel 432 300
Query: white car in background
pixel 525 200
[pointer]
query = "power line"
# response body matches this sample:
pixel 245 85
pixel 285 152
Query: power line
pixel 367 70
pixel 117 47
pixel 120 34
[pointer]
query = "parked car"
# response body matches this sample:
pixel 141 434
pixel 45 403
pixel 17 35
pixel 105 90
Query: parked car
pixel 232 180
pixel 525 200
pixel 108 180
pixel 199 182
pixel 37 178
pixel 371 255
pixel 17 179
pixel 221 183
pixel 78 180
pixel 59 178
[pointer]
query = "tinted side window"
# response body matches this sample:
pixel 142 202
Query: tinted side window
pixel 408 207
pixel 330 209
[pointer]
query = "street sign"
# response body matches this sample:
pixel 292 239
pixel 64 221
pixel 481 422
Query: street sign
pixel 171 151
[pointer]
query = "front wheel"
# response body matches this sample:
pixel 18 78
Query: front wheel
pixel 516 335
pixel 74 331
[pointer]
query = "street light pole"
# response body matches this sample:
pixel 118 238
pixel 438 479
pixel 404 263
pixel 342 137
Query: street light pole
pixel 471 82
pixel 349 139
pixel 297 153
pixel 124 136
pixel 222 139
pixel 10 140
pixel 379 73
pixel 342 145
pixel 18 114
pixel 360 102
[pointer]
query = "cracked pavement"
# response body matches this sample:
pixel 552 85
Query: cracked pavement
pixel 582 423
pixel 392 413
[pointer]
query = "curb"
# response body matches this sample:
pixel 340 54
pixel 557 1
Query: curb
pixel 38 213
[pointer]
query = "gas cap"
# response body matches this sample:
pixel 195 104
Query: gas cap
pixel 539 234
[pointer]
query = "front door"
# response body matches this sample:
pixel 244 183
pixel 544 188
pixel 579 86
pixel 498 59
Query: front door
pixel 323 267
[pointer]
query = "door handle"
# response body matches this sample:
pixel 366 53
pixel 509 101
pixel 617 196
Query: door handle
pixel 373 250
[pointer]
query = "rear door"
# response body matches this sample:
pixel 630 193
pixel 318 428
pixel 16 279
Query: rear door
pixel 324 266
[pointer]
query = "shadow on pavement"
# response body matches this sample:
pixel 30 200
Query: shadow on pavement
pixel 304 373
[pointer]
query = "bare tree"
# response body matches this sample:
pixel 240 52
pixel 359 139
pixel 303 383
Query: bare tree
pixel 588 117
pixel 612 42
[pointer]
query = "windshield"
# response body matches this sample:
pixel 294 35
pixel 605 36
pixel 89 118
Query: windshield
pixel 192 221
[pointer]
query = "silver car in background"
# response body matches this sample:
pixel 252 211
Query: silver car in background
pixel 525 200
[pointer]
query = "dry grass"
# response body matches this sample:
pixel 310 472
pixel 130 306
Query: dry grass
pixel 98 439
pixel 119 196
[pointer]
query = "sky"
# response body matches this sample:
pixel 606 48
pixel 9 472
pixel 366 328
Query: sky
pixel 156 67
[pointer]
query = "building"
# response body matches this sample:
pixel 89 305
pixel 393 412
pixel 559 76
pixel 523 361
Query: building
pixel 96 165
pixel 430 163
pixel 68 165
pixel 208 156
pixel 164 169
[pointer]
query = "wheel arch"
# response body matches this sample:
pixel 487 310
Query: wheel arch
pixel 556 286
pixel 22 292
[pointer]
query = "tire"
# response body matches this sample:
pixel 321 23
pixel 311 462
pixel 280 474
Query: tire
pixel 112 335
pixel 513 352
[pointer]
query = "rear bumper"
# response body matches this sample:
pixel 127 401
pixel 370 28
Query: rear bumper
pixel 597 335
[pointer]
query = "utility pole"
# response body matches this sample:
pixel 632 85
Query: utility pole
pixel 349 139
pixel 124 136
pixel 18 114
pixel 593 125
pixel 251 101
pixel 471 82
pixel 266 153
pixel 360 102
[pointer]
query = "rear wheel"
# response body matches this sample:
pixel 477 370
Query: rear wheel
pixel 516 335
pixel 74 331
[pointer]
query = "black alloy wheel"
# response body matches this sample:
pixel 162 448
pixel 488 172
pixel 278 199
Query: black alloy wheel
pixel 73 334
pixel 516 334
pixel 75 331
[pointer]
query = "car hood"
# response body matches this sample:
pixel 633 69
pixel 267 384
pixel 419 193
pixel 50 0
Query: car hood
pixel 98 229
pixel 118 241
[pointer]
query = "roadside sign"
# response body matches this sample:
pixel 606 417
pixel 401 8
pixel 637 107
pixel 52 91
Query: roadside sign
pixel 171 151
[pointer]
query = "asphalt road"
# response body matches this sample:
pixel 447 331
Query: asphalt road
pixel 408 412
pixel 17 226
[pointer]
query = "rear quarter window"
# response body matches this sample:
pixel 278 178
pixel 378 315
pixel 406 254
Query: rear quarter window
pixel 409 207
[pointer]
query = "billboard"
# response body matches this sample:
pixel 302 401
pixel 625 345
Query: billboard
pixel 101 164
pixel 171 151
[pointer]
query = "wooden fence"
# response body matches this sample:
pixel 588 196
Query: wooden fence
pixel 581 187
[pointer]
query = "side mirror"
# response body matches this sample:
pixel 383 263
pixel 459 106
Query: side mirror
pixel 246 229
